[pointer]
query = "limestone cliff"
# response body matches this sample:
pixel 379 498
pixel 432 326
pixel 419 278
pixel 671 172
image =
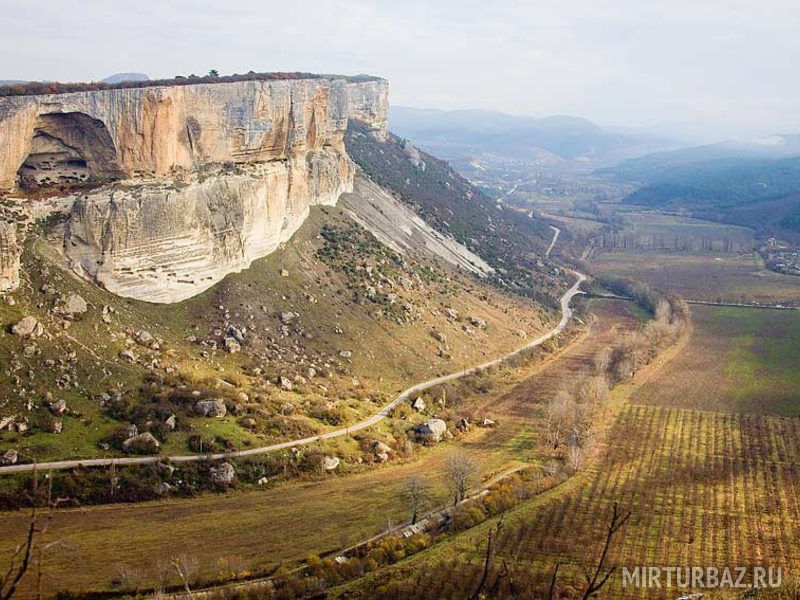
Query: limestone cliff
pixel 196 180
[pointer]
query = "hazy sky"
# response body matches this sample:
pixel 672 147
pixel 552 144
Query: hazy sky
pixel 724 65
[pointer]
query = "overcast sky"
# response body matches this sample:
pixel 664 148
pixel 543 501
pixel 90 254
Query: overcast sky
pixel 731 66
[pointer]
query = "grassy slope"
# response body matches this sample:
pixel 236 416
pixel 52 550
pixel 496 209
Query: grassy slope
pixel 322 515
pixel 386 356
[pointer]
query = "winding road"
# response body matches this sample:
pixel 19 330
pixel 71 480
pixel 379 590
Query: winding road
pixel 566 314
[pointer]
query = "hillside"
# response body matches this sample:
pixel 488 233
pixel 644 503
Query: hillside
pixel 509 241
pixel 755 192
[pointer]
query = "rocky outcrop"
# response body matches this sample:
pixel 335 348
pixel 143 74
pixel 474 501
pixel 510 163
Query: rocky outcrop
pixel 9 257
pixel 197 180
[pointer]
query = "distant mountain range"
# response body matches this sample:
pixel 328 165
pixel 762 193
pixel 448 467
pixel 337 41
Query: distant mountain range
pixel 462 134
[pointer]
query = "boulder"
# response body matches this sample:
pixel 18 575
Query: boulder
pixel 463 424
pixel 144 338
pixel 223 473
pixel 144 443
pixel 451 313
pixel 488 423
pixel 345 354
pixel 165 469
pixel 236 333
pixel 329 463
pixel 58 427
pixel 162 488
pixel 59 407
pixel 285 384
pixel 73 307
pixel 418 404
pixel 171 422
pixel 263 481
pixel 439 336
pixel 379 447
pixel 128 356
pixel 287 317
pixel 129 431
pixel 231 345
pixel 431 431
pixel 28 327
pixel 477 322
pixel 9 457
pixel 211 408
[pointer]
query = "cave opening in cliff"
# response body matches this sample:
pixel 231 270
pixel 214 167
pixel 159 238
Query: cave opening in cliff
pixel 68 151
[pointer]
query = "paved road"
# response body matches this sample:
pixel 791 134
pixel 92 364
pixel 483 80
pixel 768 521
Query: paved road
pixel 556 232
pixel 566 314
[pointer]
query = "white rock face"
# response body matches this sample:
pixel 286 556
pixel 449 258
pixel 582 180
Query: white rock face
pixel 401 229
pixel 9 257
pixel 200 180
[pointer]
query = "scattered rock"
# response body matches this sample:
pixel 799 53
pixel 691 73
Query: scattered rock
pixel 477 322
pixel 58 427
pixel 162 488
pixel 130 431
pixel 263 481
pixel 488 423
pixel 439 336
pixel 287 317
pixel 211 408
pixel 451 313
pixel 231 345
pixel 431 431
pixel 144 338
pixel 9 457
pixel 285 384
pixel 329 463
pixel 59 407
pixel 128 356
pixel 284 273
pixel 72 308
pixel 171 422
pixel 345 354
pixel 28 327
pixel 164 469
pixel 144 443
pixel 223 473
pixel 463 424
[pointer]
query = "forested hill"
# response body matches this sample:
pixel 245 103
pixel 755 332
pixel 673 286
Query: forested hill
pixel 755 192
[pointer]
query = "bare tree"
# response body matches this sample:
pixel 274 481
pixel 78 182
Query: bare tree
pixel 487 564
pixel 461 470
pixel 559 418
pixel 600 576
pixel 575 457
pixel 415 491
pixel 597 578
pixel 31 550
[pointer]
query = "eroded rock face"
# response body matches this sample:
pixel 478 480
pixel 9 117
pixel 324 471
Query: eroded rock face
pixel 207 177
pixel 9 257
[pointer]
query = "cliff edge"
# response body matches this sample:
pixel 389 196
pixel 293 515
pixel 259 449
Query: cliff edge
pixel 171 188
